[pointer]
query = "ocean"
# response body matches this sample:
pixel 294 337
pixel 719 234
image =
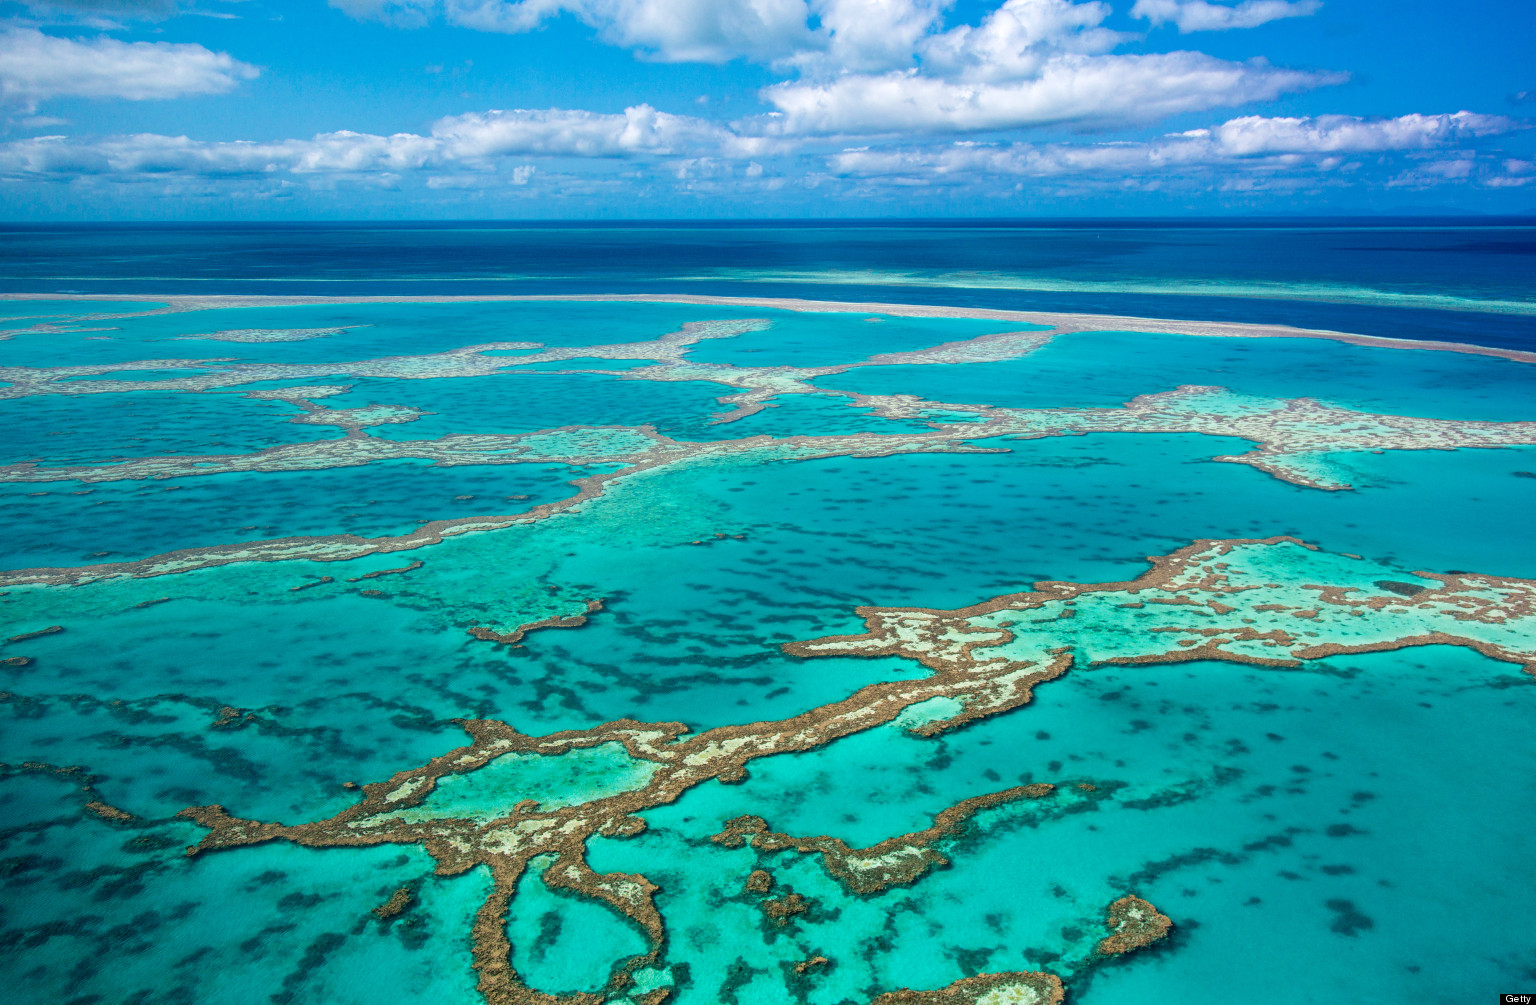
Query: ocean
pixel 950 612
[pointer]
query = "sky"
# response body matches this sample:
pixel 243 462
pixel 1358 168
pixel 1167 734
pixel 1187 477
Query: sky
pixel 653 109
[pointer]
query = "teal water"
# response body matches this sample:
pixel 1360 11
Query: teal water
pixel 1363 820
pixel 808 339
pixel 517 402
pixel 76 523
pixel 68 429
pixel 1105 369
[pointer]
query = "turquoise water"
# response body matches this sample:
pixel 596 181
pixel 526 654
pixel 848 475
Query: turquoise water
pixel 832 339
pixel 1363 818
pixel 520 402
pixel 1105 369
pixel 72 523
pixel 58 429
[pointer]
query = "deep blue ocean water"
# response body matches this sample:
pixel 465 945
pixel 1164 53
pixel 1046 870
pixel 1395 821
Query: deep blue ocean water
pixel 1375 276
pixel 1359 828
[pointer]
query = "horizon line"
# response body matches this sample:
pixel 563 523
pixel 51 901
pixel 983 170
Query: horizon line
pixel 1257 219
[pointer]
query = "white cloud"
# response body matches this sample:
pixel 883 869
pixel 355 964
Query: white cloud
pixel 1250 143
pixel 1068 88
pixel 708 31
pixel 1018 39
pixel 817 35
pixel 35 66
pixel 870 35
pixel 1027 63
pixel 1201 15
pixel 877 66
pixel 477 142
pixel 641 129
pixel 1254 134
pixel 643 154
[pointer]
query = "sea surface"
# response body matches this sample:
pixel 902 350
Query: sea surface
pixel 297 553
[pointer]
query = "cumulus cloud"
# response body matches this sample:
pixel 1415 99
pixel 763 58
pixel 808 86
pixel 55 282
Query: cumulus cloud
pixel 641 129
pixel 1248 143
pixel 1027 63
pixel 876 66
pixel 709 31
pixel 35 66
pixel 821 36
pixel 1202 15
pixel 869 35
pixel 1018 39
pixel 1253 134
pixel 480 141
pixel 1069 88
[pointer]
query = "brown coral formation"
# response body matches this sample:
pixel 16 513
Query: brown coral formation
pixel 895 861
pixel 781 909
pixel 81 780
pixel 759 881
pixel 40 633
pixel 516 635
pixel 395 905
pixel 412 567
pixel 108 812
pixel 509 843
pixel 1026 987
pixel 948 638
pixel 1133 923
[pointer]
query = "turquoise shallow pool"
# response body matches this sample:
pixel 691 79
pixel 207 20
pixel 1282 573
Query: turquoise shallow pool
pixel 478 679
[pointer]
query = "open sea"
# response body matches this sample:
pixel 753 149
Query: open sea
pixel 366 641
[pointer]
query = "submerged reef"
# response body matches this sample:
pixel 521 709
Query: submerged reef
pixel 269 334
pixel 1271 602
pixel 1301 441
pixel 140 306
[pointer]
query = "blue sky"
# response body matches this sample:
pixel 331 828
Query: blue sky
pixel 257 109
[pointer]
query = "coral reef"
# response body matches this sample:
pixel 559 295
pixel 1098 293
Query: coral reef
pixel 894 861
pixel 1133 924
pixel 1270 602
pixel 1018 988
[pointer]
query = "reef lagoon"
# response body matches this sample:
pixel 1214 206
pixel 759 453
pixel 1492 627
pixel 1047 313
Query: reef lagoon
pixel 744 645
